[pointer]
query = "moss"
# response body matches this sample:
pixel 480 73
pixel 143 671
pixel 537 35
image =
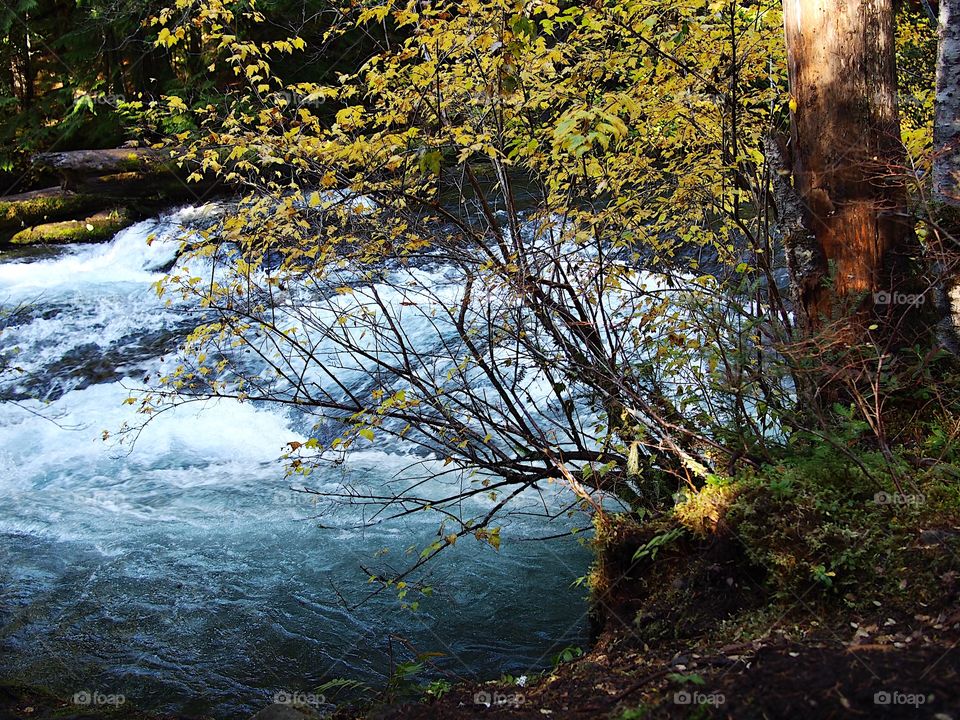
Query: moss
pixel 703 512
pixel 25 213
pixel 97 228
pixel 139 163
pixel 859 532
pixel 845 527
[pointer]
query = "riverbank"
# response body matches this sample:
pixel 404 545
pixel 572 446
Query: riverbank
pixel 736 656
pixel 704 627
pixel 816 597
pixel 100 193
pixel 769 677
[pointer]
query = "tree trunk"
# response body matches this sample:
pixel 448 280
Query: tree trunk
pixel 846 154
pixel 195 53
pixel 946 132
pixel 24 68
pixel 946 175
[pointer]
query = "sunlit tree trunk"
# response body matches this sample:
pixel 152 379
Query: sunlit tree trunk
pixel 946 134
pixel 946 171
pixel 846 150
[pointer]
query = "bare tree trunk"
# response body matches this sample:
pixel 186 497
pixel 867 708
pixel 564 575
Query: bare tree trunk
pixel 946 174
pixel 846 150
pixel 195 52
pixel 24 67
pixel 946 132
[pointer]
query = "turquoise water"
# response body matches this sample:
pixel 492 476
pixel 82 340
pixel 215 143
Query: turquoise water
pixel 182 572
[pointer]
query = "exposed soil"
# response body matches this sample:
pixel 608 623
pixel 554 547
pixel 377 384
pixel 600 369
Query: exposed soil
pixel 809 679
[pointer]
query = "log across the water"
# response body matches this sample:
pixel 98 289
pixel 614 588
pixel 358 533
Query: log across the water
pixel 117 183
pixel 104 162
pixel 96 228
pixel 41 206
pixel 124 172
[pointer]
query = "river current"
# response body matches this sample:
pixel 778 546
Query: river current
pixel 182 572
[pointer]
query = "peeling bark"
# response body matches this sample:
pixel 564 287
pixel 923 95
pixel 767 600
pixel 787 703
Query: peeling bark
pixel 804 256
pixel 846 150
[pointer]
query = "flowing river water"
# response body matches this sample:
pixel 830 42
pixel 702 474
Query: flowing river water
pixel 182 573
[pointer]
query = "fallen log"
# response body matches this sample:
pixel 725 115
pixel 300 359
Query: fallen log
pixel 167 186
pixel 96 228
pixel 96 183
pixel 126 173
pixel 40 206
pixel 104 162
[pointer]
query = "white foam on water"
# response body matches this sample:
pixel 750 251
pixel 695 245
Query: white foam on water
pixel 195 526
pixel 136 254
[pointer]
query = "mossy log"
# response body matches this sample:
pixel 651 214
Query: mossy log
pixel 40 206
pixel 104 162
pixel 95 228
pixel 126 173
pixel 142 180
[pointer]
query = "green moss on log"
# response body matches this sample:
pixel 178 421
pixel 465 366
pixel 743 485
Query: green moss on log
pixel 97 228
pixel 25 213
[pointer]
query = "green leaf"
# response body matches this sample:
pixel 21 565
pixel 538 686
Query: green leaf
pixel 430 162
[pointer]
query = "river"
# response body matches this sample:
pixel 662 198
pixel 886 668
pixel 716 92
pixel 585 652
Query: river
pixel 181 572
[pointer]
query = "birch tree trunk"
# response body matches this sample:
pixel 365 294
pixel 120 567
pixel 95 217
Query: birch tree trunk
pixel 946 174
pixel 946 132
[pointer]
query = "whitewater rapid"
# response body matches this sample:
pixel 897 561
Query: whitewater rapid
pixel 181 571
